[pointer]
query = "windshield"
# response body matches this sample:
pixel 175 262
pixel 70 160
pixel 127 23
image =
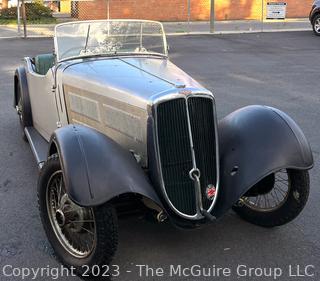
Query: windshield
pixel 109 37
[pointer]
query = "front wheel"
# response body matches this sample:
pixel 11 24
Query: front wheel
pixel 276 200
pixel 82 238
pixel 316 25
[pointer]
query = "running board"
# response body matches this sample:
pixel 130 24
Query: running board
pixel 38 144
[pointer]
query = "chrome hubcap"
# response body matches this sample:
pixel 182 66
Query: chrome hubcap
pixel 73 225
pixel 272 200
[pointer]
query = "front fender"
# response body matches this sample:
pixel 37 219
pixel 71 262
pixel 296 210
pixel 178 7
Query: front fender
pixel 96 169
pixel 256 141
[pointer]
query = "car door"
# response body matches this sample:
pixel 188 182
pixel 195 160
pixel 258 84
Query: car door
pixel 43 102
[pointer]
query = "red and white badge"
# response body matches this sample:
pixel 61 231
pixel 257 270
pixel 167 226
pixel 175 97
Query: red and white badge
pixel 211 191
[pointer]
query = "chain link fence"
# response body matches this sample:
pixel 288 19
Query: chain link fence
pixel 28 18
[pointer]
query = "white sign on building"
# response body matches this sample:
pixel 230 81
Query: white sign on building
pixel 276 10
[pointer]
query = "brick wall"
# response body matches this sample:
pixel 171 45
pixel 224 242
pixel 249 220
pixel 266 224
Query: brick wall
pixel 299 8
pixel 177 10
pixel 253 9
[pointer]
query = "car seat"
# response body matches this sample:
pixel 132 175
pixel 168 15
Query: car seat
pixel 43 63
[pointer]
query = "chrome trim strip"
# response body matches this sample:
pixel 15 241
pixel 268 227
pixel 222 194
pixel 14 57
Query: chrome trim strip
pixel 199 206
pixel 176 85
pixel 113 56
pixel 197 186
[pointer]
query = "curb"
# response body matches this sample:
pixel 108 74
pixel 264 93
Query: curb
pixel 239 32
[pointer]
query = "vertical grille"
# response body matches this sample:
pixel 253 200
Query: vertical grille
pixel 175 149
pixel 175 154
pixel 203 135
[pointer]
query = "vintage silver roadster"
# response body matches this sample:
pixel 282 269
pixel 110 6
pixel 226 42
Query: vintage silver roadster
pixel 117 129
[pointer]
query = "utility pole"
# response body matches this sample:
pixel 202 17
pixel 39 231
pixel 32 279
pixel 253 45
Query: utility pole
pixel 18 18
pixel 212 16
pixel 262 15
pixel 24 18
pixel 189 15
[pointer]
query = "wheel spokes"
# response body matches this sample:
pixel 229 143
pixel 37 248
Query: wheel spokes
pixel 73 225
pixel 274 198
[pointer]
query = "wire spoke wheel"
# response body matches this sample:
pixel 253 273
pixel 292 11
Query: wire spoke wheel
pixel 273 199
pixel 73 225
pixel 19 107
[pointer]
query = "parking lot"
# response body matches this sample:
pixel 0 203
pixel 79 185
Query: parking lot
pixel 277 69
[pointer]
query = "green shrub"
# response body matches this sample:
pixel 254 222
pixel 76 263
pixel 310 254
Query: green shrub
pixel 34 11
pixel 9 13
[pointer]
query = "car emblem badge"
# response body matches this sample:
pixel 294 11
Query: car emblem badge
pixel 211 191
pixel 185 92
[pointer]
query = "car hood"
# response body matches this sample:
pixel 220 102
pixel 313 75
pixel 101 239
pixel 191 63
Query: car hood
pixel 134 80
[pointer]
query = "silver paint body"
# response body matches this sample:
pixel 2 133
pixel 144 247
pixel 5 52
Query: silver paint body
pixel 118 93
pixel 114 95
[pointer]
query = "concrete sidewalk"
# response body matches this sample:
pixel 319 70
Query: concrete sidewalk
pixel 239 26
pixel 243 26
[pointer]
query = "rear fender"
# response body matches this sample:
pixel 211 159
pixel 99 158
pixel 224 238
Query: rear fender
pixel 21 83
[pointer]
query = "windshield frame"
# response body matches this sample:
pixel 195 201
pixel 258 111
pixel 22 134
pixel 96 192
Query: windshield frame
pixel 116 54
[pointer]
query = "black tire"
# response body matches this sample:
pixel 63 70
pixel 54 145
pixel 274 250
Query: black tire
pixel 106 228
pixel 23 105
pixel 21 114
pixel 290 208
pixel 315 23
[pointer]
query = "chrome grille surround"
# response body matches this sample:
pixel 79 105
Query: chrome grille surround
pixel 197 189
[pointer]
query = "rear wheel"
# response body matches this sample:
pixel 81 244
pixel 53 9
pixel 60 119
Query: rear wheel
pixel 20 112
pixel 316 25
pixel 83 238
pixel 276 200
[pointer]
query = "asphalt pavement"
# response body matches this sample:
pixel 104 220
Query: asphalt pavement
pixel 277 69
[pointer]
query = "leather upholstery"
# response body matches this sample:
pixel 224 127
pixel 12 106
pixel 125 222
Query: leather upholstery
pixel 43 63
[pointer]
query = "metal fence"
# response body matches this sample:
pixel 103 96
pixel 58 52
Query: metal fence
pixel 29 18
